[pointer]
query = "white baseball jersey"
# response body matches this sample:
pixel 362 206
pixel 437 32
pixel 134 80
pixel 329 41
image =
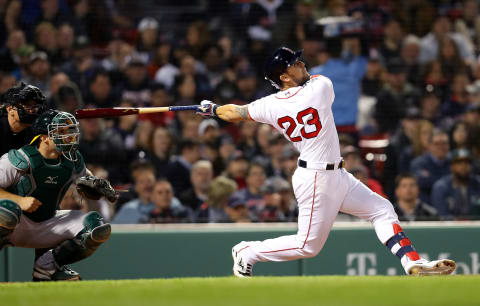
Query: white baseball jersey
pixel 303 114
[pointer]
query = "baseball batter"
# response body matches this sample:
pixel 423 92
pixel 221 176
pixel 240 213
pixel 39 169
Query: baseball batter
pixel 301 111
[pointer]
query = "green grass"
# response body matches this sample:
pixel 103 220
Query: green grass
pixel 278 291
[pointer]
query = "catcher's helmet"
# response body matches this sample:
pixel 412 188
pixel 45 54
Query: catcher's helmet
pixel 62 128
pixel 278 63
pixel 29 101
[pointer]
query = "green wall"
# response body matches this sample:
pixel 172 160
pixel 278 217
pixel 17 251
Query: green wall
pixel 207 252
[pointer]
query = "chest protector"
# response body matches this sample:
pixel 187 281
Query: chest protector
pixel 46 182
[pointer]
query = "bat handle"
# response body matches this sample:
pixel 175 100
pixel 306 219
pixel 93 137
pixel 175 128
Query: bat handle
pixel 183 108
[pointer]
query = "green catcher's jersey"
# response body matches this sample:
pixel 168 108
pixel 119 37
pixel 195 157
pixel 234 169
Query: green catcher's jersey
pixel 46 180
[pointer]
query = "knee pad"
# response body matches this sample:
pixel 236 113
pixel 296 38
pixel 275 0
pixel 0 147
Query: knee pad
pixel 86 242
pixel 10 214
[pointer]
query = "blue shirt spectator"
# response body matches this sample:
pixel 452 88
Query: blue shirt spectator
pixel 431 166
pixel 346 76
pixel 134 212
pixel 458 194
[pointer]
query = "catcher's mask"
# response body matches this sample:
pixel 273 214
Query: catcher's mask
pixel 278 63
pixel 62 128
pixel 28 100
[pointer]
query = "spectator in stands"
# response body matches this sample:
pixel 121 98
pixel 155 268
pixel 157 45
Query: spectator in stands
pixel 237 210
pixel 168 209
pixel 213 210
pixel 252 194
pixel 9 60
pixel 430 43
pixel 457 103
pixel 346 67
pixel 374 16
pixel 125 127
pixel 57 80
pixel 143 136
pixel 178 170
pixel 392 41
pixel 6 82
pixel 197 38
pixel 65 39
pixel 469 24
pixel 409 54
pixel 190 84
pixel 160 98
pixel 394 99
pixel 68 98
pixel 136 86
pixel 53 11
pixel 276 207
pixel 38 73
pixel 119 52
pixel 430 106
pixel 398 142
pixel 213 57
pixel 247 86
pixel 247 142
pixel 460 136
pixel 458 195
pixel 273 161
pixel 148 38
pixel 450 59
pixel 361 173
pixel 408 205
pixel 208 131
pixel 432 165
pixel 139 209
pixel 160 149
pixel 45 38
pixel 165 71
pixel 237 169
pixel 101 93
pixel 82 18
pixel 201 177
pixel 291 27
pixel 419 142
pixel 100 145
pixel 83 63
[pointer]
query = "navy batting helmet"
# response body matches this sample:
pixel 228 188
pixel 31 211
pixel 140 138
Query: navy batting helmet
pixel 278 63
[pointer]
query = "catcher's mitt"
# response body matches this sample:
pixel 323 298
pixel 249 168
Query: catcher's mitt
pixel 92 187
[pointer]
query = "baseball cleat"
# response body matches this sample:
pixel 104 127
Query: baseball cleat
pixel 424 267
pixel 61 274
pixel 240 266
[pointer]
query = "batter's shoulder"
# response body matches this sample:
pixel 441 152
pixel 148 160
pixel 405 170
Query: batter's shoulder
pixel 318 78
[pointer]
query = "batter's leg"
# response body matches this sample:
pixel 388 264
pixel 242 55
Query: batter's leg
pixel 360 201
pixel 318 207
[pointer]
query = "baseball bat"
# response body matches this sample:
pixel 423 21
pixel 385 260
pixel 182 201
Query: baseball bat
pixel 125 111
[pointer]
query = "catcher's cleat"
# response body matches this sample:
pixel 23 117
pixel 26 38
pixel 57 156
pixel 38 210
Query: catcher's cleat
pixel 424 267
pixel 61 274
pixel 241 268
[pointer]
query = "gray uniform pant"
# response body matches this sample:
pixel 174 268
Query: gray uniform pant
pixel 66 224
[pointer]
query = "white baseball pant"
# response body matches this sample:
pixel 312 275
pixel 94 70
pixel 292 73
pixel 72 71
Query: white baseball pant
pixel 321 194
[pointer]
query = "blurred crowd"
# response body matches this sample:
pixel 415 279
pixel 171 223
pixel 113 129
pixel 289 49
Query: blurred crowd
pixel 407 103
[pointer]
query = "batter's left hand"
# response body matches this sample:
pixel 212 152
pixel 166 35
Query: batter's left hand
pixel 207 108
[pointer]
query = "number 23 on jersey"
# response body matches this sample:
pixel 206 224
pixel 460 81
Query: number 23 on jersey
pixel 290 124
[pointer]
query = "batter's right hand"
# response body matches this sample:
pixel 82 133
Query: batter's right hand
pixel 29 204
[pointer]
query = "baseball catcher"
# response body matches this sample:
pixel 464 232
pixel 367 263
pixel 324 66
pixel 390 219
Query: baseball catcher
pixel 33 181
